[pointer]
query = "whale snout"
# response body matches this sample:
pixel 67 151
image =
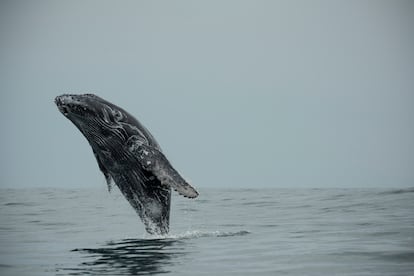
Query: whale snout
pixel 66 99
pixel 61 103
pixel 68 103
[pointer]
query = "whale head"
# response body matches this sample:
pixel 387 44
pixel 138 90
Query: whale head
pixel 82 105
pixel 93 115
pixel 104 124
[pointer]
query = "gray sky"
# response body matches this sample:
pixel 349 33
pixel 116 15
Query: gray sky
pixel 238 93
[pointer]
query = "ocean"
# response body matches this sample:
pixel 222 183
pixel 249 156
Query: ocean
pixel 223 232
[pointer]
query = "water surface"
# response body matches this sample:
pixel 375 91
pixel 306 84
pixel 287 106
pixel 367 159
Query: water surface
pixel 223 232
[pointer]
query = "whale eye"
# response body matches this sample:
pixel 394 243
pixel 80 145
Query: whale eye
pixel 117 115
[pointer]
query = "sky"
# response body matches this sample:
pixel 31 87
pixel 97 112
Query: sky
pixel 239 94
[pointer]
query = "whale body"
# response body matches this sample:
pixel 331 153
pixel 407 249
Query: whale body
pixel 128 156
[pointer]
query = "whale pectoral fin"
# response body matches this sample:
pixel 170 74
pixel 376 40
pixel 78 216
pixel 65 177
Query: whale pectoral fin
pixel 108 177
pixel 155 161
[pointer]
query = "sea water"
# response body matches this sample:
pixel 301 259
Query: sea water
pixel 223 232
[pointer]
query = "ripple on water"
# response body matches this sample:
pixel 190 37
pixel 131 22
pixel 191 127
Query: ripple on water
pixel 155 254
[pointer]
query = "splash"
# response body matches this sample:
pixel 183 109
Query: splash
pixel 195 234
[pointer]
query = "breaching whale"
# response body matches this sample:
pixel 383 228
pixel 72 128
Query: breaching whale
pixel 129 156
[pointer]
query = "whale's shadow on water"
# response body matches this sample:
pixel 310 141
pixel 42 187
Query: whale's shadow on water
pixel 130 257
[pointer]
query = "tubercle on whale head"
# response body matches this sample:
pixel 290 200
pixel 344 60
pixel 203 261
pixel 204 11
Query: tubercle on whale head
pixel 89 106
pixel 78 105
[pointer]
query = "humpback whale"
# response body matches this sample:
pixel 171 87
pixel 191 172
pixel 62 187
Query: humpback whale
pixel 129 156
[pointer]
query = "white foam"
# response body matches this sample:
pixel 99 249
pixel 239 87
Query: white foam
pixel 194 234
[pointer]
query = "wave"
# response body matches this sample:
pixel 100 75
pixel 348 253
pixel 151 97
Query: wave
pixel 398 191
